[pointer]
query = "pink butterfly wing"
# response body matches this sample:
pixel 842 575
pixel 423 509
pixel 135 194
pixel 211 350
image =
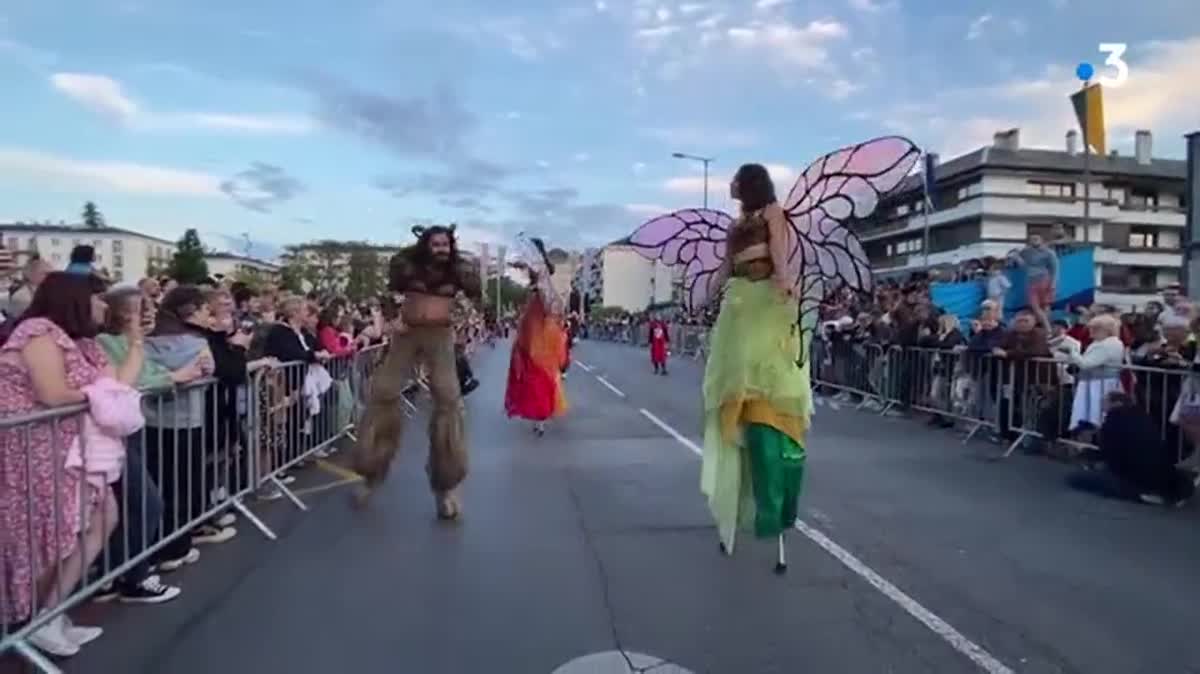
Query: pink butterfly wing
pixel 842 186
pixel 692 239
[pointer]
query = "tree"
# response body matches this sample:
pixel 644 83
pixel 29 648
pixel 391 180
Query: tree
pixel 292 275
pixel 365 278
pixel 188 265
pixel 92 218
pixel 512 294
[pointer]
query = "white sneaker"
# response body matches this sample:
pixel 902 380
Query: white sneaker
pixel 53 640
pixel 225 520
pixel 191 557
pixel 206 534
pixel 80 635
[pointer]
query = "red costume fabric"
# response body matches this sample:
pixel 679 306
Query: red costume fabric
pixel 534 389
pixel 660 341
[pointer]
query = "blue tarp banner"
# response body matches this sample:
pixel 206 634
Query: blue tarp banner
pixel 1076 286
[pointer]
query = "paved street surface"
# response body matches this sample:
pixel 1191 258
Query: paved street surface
pixel 918 556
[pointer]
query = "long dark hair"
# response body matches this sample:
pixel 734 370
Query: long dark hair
pixel 66 300
pixel 755 188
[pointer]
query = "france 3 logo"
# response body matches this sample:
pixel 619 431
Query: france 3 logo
pixel 1120 70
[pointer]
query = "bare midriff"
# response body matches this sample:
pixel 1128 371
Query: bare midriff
pixel 426 310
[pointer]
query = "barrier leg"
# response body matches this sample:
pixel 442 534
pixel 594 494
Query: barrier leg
pixel 974 429
pixel 274 479
pixel 253 519
pixel 781 558
pixel 35 657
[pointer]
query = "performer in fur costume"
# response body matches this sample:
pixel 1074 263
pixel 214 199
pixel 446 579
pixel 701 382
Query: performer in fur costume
pixel 535 389
pixel 770 265
pixel 429 275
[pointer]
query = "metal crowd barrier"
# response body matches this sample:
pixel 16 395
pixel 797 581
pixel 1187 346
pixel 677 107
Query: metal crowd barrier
pixel 1019 400
pixel 206 448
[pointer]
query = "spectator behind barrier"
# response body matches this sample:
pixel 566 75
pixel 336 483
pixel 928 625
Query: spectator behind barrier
pixel 56 521
pixel 177 426
pixel 1137 464
pixel 138 497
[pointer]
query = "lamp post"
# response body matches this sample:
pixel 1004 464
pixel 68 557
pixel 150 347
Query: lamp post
pixel 703 160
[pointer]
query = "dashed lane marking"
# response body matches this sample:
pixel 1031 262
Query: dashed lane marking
pixel 609 386
pixel 583 366
pixel 974 652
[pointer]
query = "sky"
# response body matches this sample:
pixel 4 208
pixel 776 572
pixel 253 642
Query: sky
pixel 308 119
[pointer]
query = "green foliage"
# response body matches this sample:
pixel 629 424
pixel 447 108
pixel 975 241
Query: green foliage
pixel 92 218
pixel 188 265
pixel 365 279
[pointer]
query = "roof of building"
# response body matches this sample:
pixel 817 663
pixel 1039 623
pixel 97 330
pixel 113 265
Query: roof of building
pixel 1050 161
pixel 75 230
pixel 218 255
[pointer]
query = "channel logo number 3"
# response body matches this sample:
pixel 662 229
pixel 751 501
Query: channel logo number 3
pixel 1115 51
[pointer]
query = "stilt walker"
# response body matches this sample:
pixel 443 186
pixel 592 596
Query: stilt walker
pixel 429 275
pixel 769 265
pixel 535 372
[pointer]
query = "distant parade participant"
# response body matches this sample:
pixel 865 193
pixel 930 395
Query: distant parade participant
pixel 660 342
pixel 535 372
pixel 429 274
pixel 770 266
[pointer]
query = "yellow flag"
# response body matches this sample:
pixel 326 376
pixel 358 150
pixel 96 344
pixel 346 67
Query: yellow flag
pixel 1089 110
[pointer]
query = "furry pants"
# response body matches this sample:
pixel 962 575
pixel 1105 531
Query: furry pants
pixel 382 424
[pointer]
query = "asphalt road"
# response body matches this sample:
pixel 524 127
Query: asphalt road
pixel 919 557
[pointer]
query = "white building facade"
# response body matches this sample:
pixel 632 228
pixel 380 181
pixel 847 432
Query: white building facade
pixel 125 255
pixel 227 264
pixel 630 281
pixel 990 201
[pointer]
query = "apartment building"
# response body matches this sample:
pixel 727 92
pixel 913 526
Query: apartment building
pixel 125 255
pixel 989 201
pixel 229 264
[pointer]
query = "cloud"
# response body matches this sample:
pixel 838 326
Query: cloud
pixel 262 187
pixel 806 47
pixel 97 92
pixel 422 126
pixel 868 6
pixel 639 168
pixel 582 157
pixel 523 40
pixel 107 97
pixel 960 120
pixel 975 30
pixel 768 4
pixel 117 176
pixel 781 174
pixel 466 184
pixel 647 210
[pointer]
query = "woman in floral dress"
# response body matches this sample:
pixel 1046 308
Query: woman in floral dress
pixel 53 522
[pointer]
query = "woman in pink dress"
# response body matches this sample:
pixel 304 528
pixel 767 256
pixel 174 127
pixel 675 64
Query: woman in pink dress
pixel 53 522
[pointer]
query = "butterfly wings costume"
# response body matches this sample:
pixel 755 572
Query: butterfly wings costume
pixel 757 390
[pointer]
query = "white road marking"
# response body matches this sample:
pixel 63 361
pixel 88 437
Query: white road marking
pixel 583 366
pixel 973 651
pixel 612 388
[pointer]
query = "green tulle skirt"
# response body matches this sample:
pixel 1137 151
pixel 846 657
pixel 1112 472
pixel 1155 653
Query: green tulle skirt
pixel 757 404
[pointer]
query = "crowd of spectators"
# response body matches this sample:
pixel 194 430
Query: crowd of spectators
pixel 216 370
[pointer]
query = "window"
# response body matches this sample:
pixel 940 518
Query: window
pixel 1048 189
pixel 97 243
pixel 118 260
pixel 116 245
pixel 1112 276
pixel 55 257
pixel 1051 233
pixel 53 241
pixel 1143 237
pixel 1139 198
pixel 13 243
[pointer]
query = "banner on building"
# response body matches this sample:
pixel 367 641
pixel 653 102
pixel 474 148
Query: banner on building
pixel 1076 286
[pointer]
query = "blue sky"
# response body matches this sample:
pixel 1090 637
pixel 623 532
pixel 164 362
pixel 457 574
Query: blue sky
pixel 310 119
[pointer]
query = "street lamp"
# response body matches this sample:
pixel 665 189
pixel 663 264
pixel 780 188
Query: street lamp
pixel 703 160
